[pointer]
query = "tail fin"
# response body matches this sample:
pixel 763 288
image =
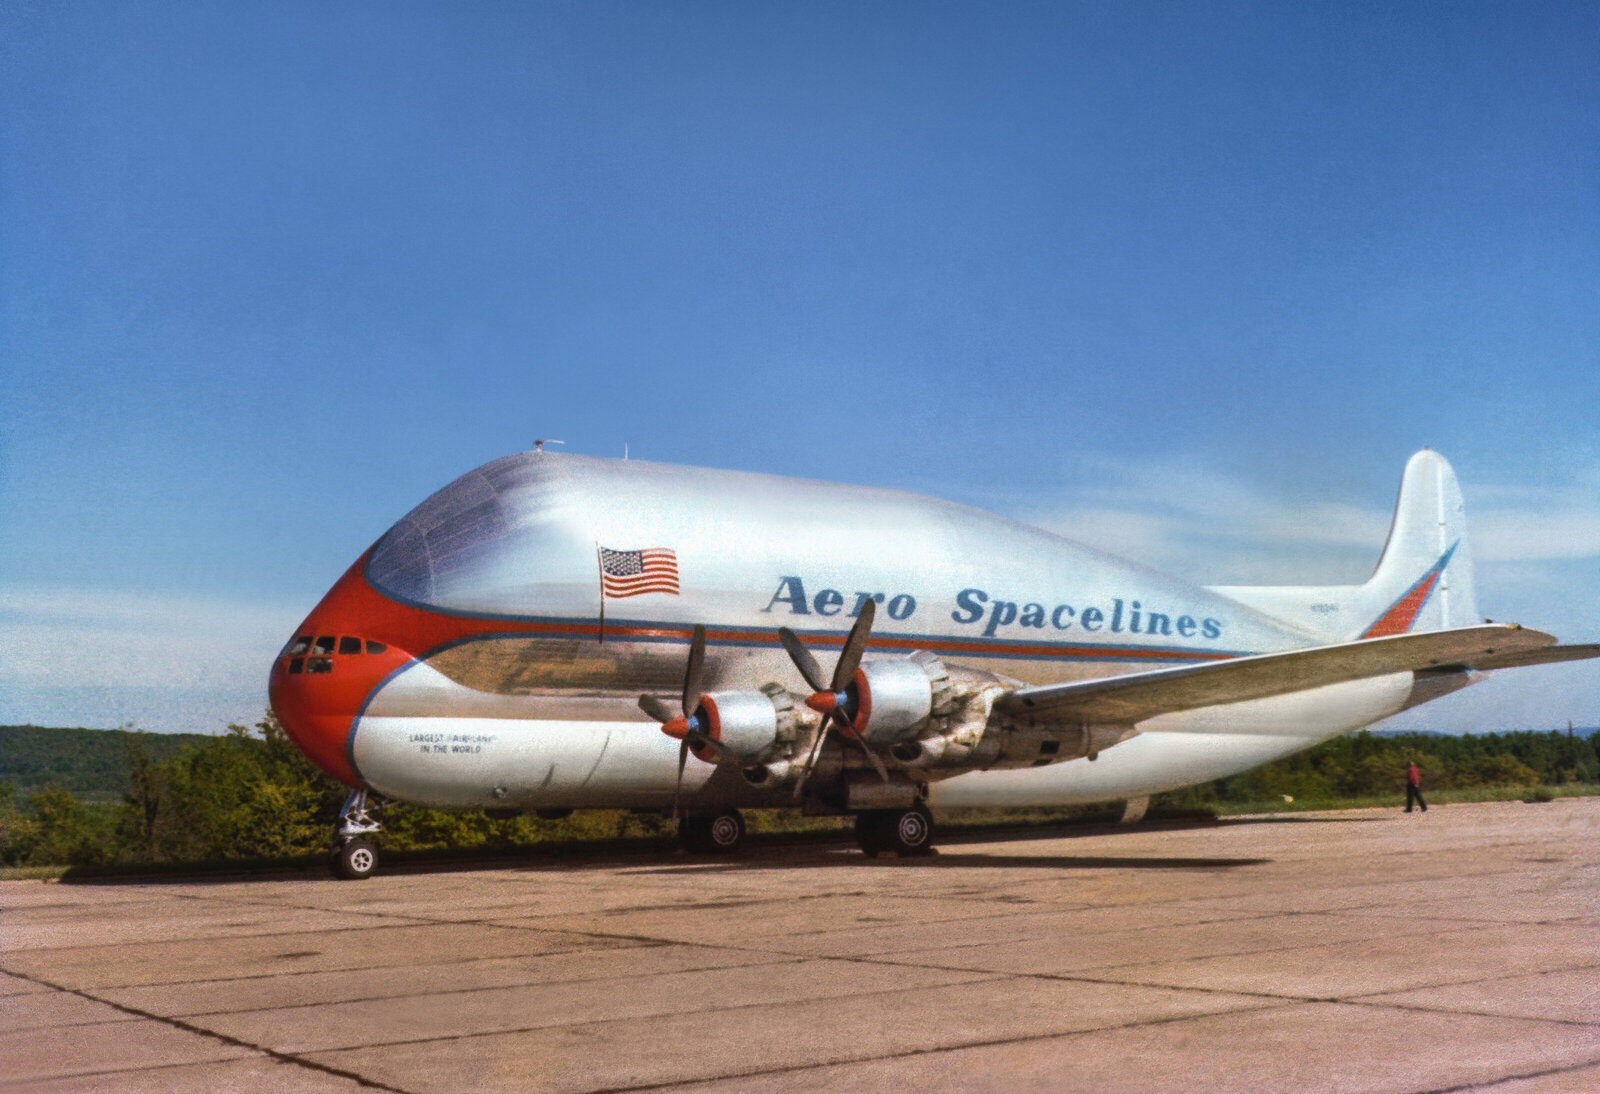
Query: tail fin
pixel 1424 578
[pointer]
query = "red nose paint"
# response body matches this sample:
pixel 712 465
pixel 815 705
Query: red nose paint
pixel 319 709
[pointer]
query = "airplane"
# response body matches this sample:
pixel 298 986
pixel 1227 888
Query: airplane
pixel 553 631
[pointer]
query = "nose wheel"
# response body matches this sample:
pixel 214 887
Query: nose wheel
pixel 355 851
pixel 355 860
pixel 904 832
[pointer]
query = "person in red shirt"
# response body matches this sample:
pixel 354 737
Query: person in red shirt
pixel 1414 787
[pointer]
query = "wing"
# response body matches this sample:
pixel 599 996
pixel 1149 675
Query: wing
pixel 1125 700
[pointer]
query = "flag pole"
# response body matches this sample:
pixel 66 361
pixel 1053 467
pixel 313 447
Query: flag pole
pixel 601 569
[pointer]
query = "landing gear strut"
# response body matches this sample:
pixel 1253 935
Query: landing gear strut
pixel 355 854
pixel 903 832
pixel 718 835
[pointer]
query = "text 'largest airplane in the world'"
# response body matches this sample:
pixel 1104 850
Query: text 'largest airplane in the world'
pixel 553 632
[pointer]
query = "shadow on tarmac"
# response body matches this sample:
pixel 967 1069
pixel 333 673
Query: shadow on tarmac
pixel 663 855
pixel 966 861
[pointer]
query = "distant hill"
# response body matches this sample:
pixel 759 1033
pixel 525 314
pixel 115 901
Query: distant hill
pixel 89 762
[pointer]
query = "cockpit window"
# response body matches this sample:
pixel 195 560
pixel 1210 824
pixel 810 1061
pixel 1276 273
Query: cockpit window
pixel 300 645
pixel 349 645
pixel 324 643
pixel 297 664
pixel 375 647
pixel 508 539
pixel 319 665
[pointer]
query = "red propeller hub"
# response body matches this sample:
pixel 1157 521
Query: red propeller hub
pixel 677 729
pixel 823 702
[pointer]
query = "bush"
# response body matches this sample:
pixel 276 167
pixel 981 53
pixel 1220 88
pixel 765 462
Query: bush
pixel 1499 771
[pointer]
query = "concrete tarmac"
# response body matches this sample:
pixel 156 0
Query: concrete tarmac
pixel 1352 951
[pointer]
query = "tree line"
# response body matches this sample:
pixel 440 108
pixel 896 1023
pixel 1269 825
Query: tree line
pixel 249 794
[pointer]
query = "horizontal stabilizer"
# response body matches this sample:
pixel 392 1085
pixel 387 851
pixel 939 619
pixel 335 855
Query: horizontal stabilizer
pixel 1127 700
pixel 1550 655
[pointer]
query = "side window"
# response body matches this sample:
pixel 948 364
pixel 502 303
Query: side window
pixel 375 647
pixel 349 645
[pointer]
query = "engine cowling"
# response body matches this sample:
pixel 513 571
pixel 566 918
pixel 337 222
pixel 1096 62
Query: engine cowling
pixel 895 697
pixel 746 726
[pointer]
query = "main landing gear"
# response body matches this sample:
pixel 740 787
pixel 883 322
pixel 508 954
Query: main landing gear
pixel 903 832
pixel 355 854
pixel 718 835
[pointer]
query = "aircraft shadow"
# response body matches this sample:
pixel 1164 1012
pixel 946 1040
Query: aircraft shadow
pixel 955 860
pixel 830 849
pixel 1289 818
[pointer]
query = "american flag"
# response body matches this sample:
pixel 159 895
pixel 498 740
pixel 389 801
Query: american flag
pixel 630 573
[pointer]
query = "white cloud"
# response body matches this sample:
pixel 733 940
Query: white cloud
pixel 1528 535
pixel 1542 521
pixel 1213 528
pixel 1210 528
pixel 83 643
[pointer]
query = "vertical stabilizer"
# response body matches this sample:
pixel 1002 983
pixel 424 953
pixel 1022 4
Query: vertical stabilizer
pixel 1424 579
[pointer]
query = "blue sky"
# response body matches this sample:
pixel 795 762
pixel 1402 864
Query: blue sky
pixel 1190 282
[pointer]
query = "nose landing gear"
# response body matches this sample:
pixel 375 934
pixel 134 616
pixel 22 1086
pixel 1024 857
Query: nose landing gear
pixel 355 853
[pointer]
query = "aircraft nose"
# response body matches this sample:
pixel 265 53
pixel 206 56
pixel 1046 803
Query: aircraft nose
pixel 322 679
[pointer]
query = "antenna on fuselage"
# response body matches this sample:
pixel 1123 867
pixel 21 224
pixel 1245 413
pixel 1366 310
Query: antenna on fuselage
pixel 540 442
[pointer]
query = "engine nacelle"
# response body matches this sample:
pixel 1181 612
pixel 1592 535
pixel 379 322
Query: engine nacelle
pixel 896 696
pixel 747 724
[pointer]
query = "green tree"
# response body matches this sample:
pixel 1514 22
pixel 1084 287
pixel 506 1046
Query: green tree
pixel 18 831
pixel 248 793
pixel 141 811
pixel 66 833
pixel 1503 770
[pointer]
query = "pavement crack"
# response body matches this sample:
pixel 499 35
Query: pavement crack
pixel 223 1038
pixel 1479 1084
pixel 906 1054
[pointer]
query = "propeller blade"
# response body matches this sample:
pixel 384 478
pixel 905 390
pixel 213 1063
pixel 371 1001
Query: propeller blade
pixel 677 791
pixel 854 647
pixel 883 772
pixel 691 678
pixel 803 660
pixel 811 760
pixel 656 709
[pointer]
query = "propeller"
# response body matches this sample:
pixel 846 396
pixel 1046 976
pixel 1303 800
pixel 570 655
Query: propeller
pixel 692 726
pixel 834 697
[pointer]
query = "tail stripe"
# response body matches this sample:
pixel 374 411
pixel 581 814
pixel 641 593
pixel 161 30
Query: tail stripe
pixel 1399 616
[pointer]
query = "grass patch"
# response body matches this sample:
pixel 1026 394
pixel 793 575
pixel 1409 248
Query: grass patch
pixel 32 873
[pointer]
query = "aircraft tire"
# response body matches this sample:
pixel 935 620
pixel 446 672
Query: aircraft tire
pixel 355 860
pixel 722 834
pixel 870 825
pixel 907 832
